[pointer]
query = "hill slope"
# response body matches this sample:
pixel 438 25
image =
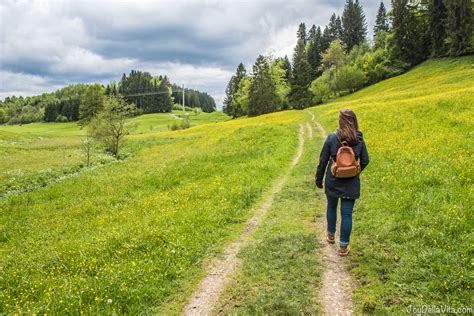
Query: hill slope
pixel 412 234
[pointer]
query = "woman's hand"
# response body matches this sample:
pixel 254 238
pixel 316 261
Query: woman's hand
pixel 319 185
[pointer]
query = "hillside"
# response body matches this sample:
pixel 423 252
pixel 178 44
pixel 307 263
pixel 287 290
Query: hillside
pixel 413 225
pixel 138 236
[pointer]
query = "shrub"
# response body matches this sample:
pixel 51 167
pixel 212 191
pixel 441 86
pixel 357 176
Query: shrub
pixel 175 126
pixel 3 116
pixel 61 119
pixel 350 79
pixel 321 89
pixel 177 107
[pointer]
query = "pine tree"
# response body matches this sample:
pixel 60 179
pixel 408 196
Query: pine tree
pixel 262 95
pixel 287 67
pixel 381 22
pixel 314 53
pixel 232 87
pixel 312 32
pixel 459 27
pixel 164 102
pixel 301 34
pixel 407 36
pixel 326 39
pixel 437 14
pixel 335 27
pixel 354 25
pixel 299 96
pixel 339 28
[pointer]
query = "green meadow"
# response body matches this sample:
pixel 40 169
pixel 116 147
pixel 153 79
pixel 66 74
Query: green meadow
pixel 33 155
pixel 136 236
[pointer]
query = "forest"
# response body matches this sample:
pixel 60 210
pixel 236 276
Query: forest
pixel 149 94
pixel 339 58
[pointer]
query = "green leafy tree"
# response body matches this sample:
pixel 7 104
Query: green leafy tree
pixel 109 126
pixel 91 104
pixel 240 102
pixel 262 94
pixel 333 57
pixel 232 87
pixel 350 79
pixel 381 21
pixel 299 96
pixel 321 89
pixel 282 86
pixel 354 25
pixel 3 116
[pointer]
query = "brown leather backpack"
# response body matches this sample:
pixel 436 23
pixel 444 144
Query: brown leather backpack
pixel 345 165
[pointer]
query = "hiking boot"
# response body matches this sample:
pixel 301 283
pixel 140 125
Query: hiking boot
pixel 330 238
pixel 343 250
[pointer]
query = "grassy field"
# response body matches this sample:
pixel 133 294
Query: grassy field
pixel 412 235
pixel 136 236
pixel 128 237
pixel 31 155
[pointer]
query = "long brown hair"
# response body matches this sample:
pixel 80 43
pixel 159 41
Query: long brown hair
pixel 348 126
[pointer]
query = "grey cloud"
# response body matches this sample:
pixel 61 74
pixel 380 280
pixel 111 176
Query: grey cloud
pixel 96 41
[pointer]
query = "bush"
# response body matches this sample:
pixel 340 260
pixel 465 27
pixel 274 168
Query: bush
pixel 177 107
pixel 350 79
pixel 321 89
pixel 185 123
pixel 61 119
pixel 3 116
pixel 175 126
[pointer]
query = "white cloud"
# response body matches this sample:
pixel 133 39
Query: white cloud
pixel 24 84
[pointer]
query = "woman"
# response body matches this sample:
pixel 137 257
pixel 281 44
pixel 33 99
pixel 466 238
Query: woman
pixel 345 189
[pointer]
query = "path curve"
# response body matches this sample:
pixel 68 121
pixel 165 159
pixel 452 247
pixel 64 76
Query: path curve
pixel 175 116
pixel 336 290
pixel 223 267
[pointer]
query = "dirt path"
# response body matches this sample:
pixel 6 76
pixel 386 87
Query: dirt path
pixel 336 290
pixel 222 268
pixel 175 116
pixel 310 131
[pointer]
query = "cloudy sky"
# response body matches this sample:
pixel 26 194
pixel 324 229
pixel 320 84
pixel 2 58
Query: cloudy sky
pixel 45 45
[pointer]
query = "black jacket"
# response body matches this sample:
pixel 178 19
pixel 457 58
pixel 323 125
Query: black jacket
pixel 348 188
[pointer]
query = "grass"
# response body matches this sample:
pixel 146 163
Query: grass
pixel 412 236
pixel 280 271
pixel 35 154
pixel 135 233
pixel 135 236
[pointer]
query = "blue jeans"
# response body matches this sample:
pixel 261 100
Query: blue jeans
pixel 346 218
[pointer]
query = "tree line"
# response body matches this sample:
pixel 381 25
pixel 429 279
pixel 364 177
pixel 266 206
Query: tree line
pixel 147 94
pixel 338 59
